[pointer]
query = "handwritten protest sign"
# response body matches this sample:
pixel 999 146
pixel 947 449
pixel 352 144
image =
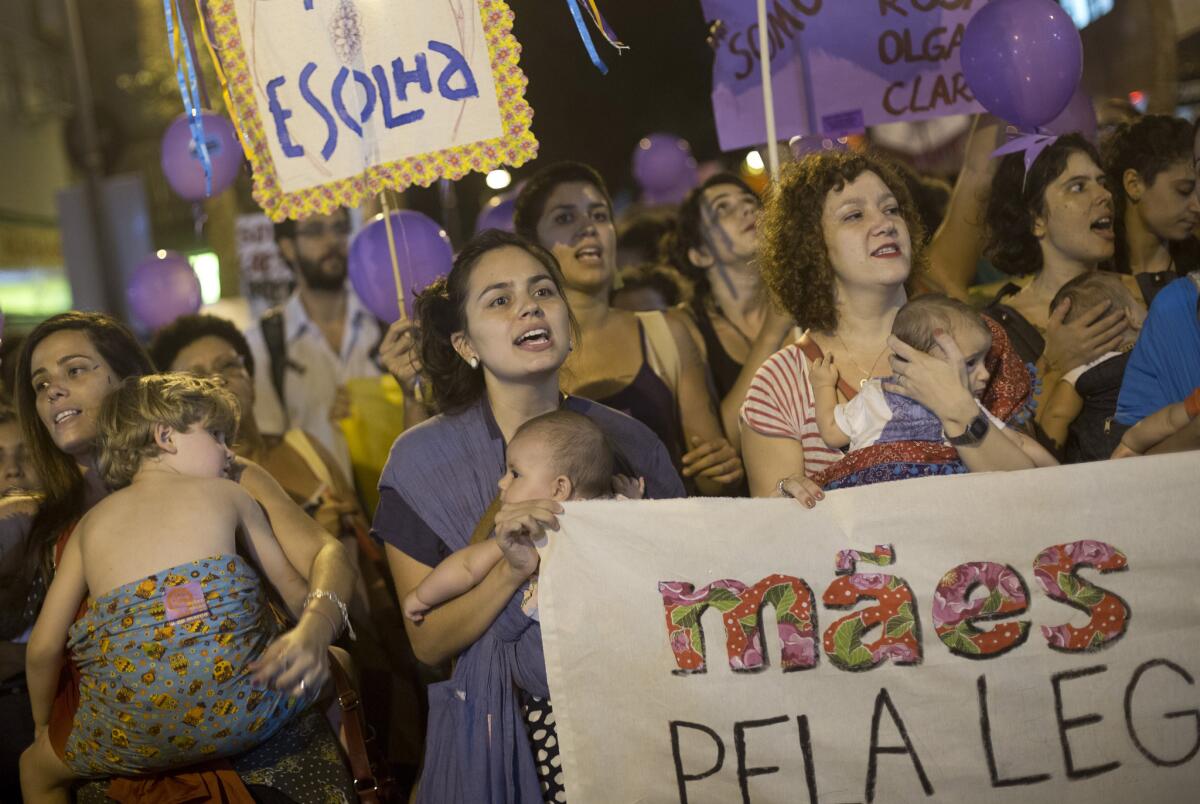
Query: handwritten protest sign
pixel 338 99
pixel 1019 637
pixel 838 67
pixel 266 280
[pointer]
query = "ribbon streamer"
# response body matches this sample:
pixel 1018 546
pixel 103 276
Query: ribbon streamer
pixel 186 24
pixel 609 34
pixel 581 26
pixel 189 90
pixel 221 79
pixel 1031 143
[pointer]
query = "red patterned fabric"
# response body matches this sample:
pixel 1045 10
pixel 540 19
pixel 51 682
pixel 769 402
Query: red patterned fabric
pixel 1010 389
pixel 890 452
pixel 1008 394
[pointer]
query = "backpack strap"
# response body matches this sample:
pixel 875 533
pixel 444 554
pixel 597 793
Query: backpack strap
pixel 271 325
pixel 370 788
pixel 813 352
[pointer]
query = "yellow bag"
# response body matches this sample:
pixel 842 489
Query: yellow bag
pixel 376 419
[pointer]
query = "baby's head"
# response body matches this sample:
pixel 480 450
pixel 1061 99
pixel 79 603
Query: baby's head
pixel 918 320
pixel 181 420
pixel 1100 287
pixel 557 456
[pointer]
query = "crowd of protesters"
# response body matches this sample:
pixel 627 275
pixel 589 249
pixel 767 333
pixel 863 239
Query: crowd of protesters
pixel 827 334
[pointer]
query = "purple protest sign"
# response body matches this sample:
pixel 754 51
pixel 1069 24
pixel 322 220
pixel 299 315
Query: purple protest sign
pixel 837 67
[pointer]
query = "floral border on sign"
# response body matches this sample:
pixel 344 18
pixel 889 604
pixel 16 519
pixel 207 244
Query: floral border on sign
pixel 514 147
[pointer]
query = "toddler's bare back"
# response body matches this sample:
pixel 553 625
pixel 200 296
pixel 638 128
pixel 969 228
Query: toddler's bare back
pixel 155 523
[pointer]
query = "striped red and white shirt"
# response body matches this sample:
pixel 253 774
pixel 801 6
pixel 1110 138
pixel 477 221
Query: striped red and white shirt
pixel 780 404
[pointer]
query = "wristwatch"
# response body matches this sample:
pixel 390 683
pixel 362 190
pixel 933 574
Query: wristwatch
pixel 974 433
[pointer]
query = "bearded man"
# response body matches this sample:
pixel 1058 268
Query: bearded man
pixel 320 338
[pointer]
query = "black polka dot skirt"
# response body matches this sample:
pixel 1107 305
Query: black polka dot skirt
pixel 543 738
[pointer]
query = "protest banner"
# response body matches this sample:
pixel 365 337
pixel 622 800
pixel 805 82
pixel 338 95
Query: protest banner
pixel 338 99
pixel 837 67
pixel 1018 637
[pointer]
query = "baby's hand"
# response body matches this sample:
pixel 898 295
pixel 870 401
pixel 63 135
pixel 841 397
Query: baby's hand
pixel 822 373
pixel 1123 451
pixel 413 608
pixel 518 550
pixel 628 488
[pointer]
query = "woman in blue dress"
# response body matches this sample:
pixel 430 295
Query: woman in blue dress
pixel 494 336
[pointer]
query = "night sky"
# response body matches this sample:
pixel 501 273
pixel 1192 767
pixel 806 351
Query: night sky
pixel 662 83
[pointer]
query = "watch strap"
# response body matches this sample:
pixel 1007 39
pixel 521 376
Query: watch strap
pixel 976 430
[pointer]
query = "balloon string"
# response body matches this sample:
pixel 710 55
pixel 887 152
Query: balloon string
pixel 577 15
pixel 221 79
pixel 188 90
pixel 387 222
pixel 195 106
pixel 186 22
pixel 606 29
pixel 199 218
pixel 1031 144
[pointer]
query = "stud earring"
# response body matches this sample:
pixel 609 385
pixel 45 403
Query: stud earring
pixel 473 362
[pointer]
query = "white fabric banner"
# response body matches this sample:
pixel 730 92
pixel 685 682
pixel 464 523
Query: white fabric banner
pixel 1019 637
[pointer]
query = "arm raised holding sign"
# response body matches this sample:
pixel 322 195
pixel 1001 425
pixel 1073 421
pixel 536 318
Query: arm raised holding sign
pixel 958 243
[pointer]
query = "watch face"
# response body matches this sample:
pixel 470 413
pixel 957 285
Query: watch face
pixel 974 433
pixel 979 427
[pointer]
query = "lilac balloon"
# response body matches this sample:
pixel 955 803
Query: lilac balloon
pixel 181 164
pixel 1080 116
pixel 162 288
pixel 663 166
pixel 668 196
pixel 422 251
pixel 1022 60
pixel 816 143
pixel 497 213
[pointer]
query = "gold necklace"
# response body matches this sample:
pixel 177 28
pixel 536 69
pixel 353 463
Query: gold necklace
pixel 866 374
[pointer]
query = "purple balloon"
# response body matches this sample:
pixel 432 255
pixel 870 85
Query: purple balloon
pixel 181 164
pixel 816 143
pixel 422 251
pixel 1022 60
pixel 497 213
pixel 162 288
pixel 1080 116
pixel 664 167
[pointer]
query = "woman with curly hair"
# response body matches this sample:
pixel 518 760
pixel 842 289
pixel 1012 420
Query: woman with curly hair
pixel 641 364
pixel 1054 223
pixel 840 238
pixel 1153 179
pixel 716 245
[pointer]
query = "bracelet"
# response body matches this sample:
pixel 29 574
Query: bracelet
pixel 335 600
pixel 332 625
